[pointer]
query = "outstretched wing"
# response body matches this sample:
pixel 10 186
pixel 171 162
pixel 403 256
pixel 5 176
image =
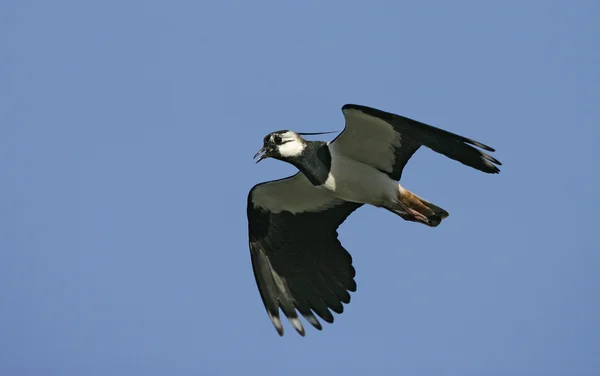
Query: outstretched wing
pixel 298 261
pixel 387 141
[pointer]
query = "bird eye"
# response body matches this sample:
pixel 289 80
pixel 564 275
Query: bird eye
pixel 277 139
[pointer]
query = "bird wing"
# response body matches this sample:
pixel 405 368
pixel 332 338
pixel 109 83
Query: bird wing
pixel 387 141
pixel 298 261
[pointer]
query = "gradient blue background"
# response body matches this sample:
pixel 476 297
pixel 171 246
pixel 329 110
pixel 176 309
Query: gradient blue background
pixel 127 131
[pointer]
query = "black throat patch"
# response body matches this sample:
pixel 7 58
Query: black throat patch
pixel 315 162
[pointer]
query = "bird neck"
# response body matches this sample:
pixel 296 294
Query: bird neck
pixel 315 162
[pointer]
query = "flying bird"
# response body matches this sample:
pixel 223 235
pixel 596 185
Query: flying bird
pixel 299 264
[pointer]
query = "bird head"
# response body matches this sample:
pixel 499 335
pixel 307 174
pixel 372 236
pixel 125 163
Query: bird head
pixel 282 145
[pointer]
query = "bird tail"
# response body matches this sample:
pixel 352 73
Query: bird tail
pixel 415 209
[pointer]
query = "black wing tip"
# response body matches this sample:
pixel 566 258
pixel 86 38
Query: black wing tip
pixel 352 286
pixel 484 165
pixel 328 317
pixel 492 159
pixel 490 164
pixel 294 320
pixel 310 317
pixel 325 314
pixel 479 144
pixel 296 323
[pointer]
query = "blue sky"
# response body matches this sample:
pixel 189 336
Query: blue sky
pixel 126 142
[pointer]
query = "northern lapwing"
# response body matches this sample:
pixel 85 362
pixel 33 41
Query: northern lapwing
pixel 298 261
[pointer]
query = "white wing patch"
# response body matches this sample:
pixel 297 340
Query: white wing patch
pixel 368 139
pixel 295 194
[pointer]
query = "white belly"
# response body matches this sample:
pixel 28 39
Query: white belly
pixel 359 182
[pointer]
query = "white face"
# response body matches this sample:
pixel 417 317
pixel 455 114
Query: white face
pixel 291 144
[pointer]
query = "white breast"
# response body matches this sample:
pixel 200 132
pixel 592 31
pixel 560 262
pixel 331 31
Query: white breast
pixel 355 181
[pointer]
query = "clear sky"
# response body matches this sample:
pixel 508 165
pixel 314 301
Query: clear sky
pixel 127 130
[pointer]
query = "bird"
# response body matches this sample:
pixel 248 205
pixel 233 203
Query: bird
pixel 300 266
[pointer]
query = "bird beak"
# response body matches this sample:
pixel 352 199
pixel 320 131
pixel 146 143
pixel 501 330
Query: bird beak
pixel 264 151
